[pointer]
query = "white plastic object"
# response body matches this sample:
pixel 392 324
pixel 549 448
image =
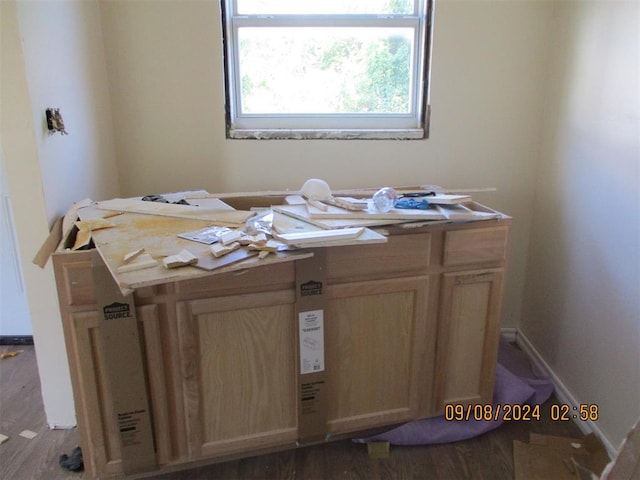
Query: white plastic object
pixel 384 199
pixel 316 189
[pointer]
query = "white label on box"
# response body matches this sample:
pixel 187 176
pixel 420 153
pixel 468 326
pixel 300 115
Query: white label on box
pixel 311 341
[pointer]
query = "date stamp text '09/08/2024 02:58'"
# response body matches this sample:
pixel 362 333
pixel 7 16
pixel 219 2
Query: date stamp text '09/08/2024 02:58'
pixel 507 412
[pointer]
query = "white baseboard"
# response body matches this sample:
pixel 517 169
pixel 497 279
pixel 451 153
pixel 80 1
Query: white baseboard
pixel 509 334
pixel 561 391
pixel 57 426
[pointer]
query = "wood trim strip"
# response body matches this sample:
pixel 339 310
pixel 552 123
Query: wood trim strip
pixel 148 317
pixel 190 369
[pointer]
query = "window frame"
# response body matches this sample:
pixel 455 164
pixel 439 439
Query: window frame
pixel 414 125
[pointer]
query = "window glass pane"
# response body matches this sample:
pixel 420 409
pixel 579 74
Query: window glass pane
pixel 313 70
pixel 281 7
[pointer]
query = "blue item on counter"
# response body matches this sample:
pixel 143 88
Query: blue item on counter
pixel 411 203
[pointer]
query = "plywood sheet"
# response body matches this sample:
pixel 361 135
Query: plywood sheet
pixel 158 235
pixel 215 216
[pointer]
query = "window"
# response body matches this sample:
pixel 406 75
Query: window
pixel 327 68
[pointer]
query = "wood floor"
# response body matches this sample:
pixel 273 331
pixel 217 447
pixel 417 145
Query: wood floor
pixel 489 456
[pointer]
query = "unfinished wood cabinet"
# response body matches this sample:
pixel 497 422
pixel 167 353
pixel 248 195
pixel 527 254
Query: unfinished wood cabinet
pixel 470 300
pixel 409 325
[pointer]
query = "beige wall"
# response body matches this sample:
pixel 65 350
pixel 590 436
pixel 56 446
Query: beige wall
pixel 65 68
pixel 582 296
pixel 52 56
pixel 164 61
pixel 29 211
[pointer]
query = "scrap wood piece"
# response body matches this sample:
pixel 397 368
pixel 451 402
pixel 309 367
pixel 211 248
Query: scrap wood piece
pixel 50 244
pixel 218 250
pixel 3 438
pixel 223 217
pixel 318 204
pixel 319 236
pixel 269 246
pixel 131 255
pixel 294 200
pixel 348 203
pixel 112 214
pixel 142 261
pixel 366 237
pixel 94 224
pixel 180 259
pixel 85 227
pixel 257 239
pixel 230 237
pixel 71 216
pixel 11 354
pixel 28 434
pixel 210 262
pixel 83 238
pixel 378 449
pixel 456 212
pixel 448 199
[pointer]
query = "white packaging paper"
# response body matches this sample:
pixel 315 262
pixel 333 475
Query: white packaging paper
pixel 311 334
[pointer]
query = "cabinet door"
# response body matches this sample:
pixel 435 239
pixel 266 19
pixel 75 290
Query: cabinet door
pixel 468 336
pixel 238 371
pixel 377 353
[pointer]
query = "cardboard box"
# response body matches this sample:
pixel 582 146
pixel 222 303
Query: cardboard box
pixel 125 372
pixel 312 398
pixel 547 456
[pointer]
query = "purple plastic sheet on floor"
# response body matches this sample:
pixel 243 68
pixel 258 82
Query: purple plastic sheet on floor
pixel 516 383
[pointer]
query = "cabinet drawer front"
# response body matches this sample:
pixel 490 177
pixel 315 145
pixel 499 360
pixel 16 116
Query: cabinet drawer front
pixel 480 245
pixel 267 277
pixel 401 254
